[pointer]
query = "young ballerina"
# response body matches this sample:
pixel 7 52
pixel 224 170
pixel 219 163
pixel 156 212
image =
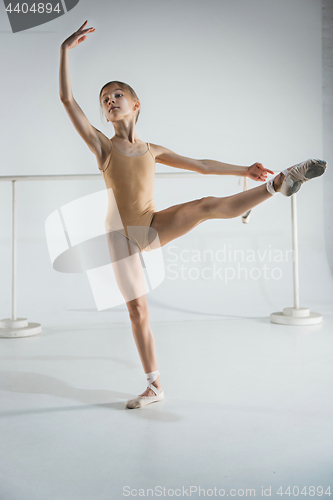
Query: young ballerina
pixel 127 165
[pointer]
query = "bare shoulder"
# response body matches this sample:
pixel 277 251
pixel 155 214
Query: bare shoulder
pixel 167 157
pixel 159 151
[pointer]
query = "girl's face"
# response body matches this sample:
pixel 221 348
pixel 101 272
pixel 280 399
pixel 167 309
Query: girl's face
pixel 118 104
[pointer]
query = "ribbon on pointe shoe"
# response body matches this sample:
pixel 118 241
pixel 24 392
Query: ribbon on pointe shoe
pixel 141 401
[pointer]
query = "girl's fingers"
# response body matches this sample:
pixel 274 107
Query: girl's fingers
pixel 82 33
pixel 82 30
pixel 83 25
pixel 265 169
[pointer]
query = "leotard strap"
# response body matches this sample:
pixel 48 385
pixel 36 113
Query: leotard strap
pixel 150 150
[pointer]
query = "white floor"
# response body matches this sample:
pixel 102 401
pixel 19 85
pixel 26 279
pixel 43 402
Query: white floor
pixel 248 405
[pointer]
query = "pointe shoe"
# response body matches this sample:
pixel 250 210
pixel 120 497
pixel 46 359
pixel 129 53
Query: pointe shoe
pixel 300 173
pixel 246 217
pixel 141 401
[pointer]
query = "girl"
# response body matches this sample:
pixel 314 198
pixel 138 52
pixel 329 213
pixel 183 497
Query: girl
pixel 127 165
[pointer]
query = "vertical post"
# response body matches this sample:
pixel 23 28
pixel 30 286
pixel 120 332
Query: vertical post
pixel 16 327
pixel 295 250
pixel 295 315
pixel 14 250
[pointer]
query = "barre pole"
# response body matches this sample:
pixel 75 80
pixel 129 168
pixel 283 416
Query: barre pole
pixel 295 251
pixel 295 315
pixel 16 327
pixel 14 247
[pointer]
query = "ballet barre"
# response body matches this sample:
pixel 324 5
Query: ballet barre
pixel 20 327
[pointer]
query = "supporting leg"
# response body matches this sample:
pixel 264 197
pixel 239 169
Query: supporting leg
pixel 144 338
pixel 129 275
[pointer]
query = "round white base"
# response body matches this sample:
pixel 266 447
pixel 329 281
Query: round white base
pixel 18 328
pixel 292 316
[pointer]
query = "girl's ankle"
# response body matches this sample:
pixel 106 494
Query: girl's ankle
pixel 277 181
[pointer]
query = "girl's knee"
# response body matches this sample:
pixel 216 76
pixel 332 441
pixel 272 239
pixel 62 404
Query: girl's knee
pixel 217 207
pixel 138 311
pixel 207 206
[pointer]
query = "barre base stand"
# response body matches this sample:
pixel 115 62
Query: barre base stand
pixel 292 316
pixel 18 328
pixel 295 315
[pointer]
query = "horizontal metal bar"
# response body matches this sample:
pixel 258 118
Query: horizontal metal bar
pixel 70 177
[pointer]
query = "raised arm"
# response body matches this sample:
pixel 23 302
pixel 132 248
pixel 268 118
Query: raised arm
pixel 94 139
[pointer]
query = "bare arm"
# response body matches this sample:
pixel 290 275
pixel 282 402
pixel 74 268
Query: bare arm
pixel 92 137
pixel 219 168
pixel 65 87
pixel 167 157
pixel 256 172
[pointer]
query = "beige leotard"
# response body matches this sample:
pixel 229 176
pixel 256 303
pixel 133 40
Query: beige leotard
pixel 131 179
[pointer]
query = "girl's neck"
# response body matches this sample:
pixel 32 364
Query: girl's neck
pixel 126 132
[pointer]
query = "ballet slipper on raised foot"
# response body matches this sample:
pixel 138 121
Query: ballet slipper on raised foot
pixel 141 401
pixel 246 217
pixel 300 173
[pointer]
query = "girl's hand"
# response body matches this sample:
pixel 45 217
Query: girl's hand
pixel 257 172
pixel 77 37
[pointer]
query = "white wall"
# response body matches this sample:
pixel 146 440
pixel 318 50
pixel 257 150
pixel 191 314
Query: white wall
pixel 327 29
pixel 237 82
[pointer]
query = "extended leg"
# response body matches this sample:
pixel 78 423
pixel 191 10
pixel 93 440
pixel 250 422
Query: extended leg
pixel 177 220
pixel 237 204
pixel 288 182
